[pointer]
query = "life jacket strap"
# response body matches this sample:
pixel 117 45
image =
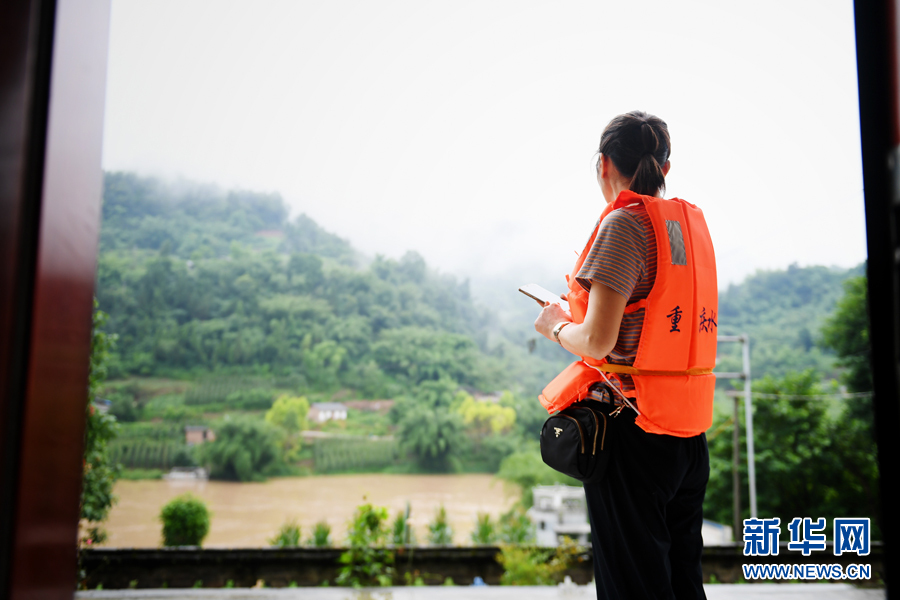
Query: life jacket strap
pixel 629 370
pixel 635 306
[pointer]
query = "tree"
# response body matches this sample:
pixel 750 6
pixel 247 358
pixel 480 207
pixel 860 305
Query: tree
pixel 847 333
pixel 530 415
pixel 100 474
pixel 486 418
pixel 428 428
pixel 243 450
pixel 806 462
pixel 288 414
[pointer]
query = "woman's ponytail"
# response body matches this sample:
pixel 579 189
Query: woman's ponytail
pixel 638 144
pixel 648 178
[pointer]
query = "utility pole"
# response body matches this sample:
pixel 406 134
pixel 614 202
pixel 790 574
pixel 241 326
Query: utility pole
pixel 744 340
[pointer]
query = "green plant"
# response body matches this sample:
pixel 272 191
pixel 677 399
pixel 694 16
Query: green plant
pixel 93 536
pixel 516 528
pixel 485 532
pixel 439 531
pixel 100 471
pixel 198 583
pixel 533 566
pixel 366 562
pixel 321 535
pixel 185 521
pixel 229 584
pixel 401 531
pixel 288 536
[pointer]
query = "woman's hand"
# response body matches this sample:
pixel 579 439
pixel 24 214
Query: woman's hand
pixel 549 318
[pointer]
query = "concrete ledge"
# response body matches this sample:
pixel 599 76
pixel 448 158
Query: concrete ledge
pixel 120 568
pixel 809 591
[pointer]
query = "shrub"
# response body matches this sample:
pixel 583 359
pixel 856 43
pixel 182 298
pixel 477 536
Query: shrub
pixel 529 566
pixel 288 536
pixel 366 562
pixel 536 566
pixel 516 528
pixel 401 531
pixel 439 530
pixel 321 535
pixel 185 521
pixel 485 532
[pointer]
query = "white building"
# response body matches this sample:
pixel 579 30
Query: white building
pixel 561 510
pixel 320 412
pixel 716 534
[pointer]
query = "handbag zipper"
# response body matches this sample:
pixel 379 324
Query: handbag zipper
pixel 580 430
pixel 596 431
pixel 602 439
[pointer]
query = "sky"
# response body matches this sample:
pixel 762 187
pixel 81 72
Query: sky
pixel 466 130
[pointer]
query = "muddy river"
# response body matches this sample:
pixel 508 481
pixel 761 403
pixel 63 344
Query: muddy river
pixel 249 514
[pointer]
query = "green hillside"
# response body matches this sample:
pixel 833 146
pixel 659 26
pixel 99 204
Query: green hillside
pixel 199 281
pixel 783 313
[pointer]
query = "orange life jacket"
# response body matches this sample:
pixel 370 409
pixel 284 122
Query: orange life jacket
pixel 672 371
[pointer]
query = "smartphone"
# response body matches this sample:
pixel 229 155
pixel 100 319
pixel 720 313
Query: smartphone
pixel 536 292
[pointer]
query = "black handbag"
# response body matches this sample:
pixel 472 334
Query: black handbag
pixel 577 440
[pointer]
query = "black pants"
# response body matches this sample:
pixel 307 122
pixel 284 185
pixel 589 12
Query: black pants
pixel 646 515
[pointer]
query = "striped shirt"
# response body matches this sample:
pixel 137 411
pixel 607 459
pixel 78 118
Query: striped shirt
pixel 623 258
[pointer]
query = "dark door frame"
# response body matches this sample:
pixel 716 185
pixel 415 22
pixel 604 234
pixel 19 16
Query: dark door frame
pixel 52 92
pixel 877 68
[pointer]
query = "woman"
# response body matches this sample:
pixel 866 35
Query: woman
pixel 643 309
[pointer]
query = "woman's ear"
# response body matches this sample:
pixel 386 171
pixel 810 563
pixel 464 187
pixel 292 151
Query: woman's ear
pixel 665 168
pixel 603 167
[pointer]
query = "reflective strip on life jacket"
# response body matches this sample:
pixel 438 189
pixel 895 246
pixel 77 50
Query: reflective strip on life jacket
pixel 612 368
